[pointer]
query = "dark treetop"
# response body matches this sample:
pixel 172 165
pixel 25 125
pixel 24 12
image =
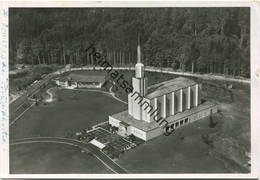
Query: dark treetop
pixel 206 40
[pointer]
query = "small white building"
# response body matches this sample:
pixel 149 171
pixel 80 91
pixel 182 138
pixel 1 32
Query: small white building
pixel 81 81
pixel 97 143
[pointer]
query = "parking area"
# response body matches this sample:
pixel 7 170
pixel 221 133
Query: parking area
pixel 122 144
pixel 103 135
pixel 106 137
pixel 112 144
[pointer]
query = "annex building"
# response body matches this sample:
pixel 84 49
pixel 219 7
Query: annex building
pixel 74 80
pixel 174 103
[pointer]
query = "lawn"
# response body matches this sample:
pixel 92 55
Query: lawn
pixel 50 158
pixel 74 111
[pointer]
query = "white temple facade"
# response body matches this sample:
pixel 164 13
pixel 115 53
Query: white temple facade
pixel 174 103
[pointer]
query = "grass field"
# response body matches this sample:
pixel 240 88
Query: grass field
pixel 74 111
pixel 50 158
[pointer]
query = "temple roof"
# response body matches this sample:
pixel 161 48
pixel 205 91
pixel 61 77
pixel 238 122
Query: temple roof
pixel 169 86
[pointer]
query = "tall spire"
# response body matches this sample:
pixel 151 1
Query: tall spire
pixel 139 67
pixel 138 50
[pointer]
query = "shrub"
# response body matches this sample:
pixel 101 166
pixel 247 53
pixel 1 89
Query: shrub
pixel 206 139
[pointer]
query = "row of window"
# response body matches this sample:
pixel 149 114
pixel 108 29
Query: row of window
pixel 179 123
pixel 199 115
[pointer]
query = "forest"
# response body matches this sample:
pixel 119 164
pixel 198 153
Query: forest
pixel 202 40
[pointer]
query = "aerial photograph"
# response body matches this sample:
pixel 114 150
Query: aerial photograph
pixel 105 90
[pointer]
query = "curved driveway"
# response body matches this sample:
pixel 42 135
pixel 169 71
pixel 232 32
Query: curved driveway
pixel 107 161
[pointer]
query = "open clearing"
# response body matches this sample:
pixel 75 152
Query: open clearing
pixel 50 158
pixel 73 111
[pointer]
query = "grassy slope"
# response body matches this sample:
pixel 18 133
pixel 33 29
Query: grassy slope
pixel 52 158
pixel 233 140
pixel 63 118
pixel 76 111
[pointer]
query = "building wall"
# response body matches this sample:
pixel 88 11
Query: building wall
pixel 168 104
pixel 138 133
pixel 193 96
pixel 137 113
pixel 185 99
pixel 159 131
pixel 145 85
pixel 159 107
pixel 182 122
pixel 194 117
pixel 130 104
pixel 199 93
pixel 136 84
pixel 62 83
pixel 75 84
pixel 113 122
pixel 171 103
pixel 154 105
pixel 130 129
pixel 136 106
pixel 177 101
pixel 203 114
pixel 89 85
pixel 146 113
pixel 154 133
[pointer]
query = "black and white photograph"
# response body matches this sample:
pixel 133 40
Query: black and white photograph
pixel 129 90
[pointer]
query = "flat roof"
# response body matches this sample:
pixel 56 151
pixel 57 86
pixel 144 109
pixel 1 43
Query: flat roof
pixel 145 126
pixel 86 78
pixel 97 143
pixel 83 78
pixel 169 86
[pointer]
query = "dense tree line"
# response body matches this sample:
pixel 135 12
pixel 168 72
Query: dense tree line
pixel 206 40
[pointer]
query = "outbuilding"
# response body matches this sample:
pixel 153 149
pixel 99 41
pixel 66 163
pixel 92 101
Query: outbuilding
pixel 74 80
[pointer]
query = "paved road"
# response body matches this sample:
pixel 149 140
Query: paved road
pixel 31 90
pixel 20 115
pixel 107 161
pixel 15 105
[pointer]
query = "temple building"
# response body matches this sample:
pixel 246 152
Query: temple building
pixel 169 104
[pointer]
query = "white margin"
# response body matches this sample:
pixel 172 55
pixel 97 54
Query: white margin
pixel 255 83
